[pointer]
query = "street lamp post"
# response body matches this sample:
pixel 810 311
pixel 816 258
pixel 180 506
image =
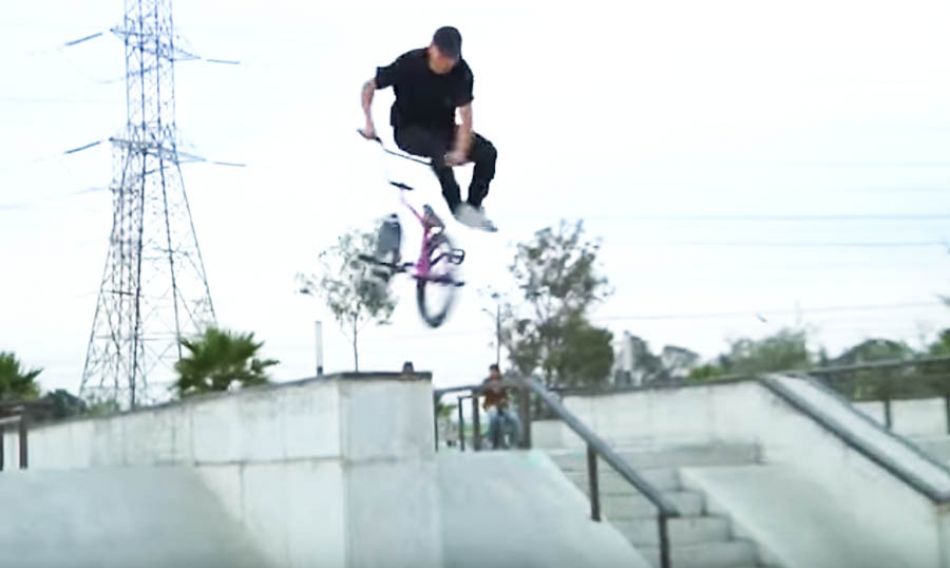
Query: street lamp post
pixel 497 315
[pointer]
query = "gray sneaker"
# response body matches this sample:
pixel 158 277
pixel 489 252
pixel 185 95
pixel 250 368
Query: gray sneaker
pixel 487 224
pixel 474 217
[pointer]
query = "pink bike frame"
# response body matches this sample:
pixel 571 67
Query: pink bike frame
pixel 422 263
pixel 422 267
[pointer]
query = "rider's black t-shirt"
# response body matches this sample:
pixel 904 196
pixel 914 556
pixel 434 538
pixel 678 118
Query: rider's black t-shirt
pixel 423 97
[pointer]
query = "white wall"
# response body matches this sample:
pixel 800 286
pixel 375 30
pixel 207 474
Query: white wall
pixel 549 434
pixel 333 472
pixel 747 412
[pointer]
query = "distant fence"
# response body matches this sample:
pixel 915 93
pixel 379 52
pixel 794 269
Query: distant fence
pixel 888 382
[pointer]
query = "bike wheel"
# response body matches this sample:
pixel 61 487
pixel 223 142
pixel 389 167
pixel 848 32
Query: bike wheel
pixel 436 293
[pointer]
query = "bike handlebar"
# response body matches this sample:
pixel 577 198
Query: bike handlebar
pixel 388 150
pixel 374 138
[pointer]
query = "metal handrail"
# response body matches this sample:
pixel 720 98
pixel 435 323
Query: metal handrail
pixel 872 365
pixel 596 447
pixel 604 451
pixel 10 420
pixel 933 494
pixel 743 377
pixel 828 375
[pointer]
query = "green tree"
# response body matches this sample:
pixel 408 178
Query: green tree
pixel 678 361
pixel 99 406
pixel 937 373
pixel 559 279
pixel 785 350
pixel 347 285
pixel 219 358
pixel 872 350
pixel 16 382
pixel 520 340
pixel 940 347
pixel 707 372
pixel 876 383
pixel 64 404
pixel 585 357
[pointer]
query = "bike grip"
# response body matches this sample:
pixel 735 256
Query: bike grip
pixel 374 138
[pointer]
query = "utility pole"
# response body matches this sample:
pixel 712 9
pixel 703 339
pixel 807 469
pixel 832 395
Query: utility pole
pixel 319 336
pixel 498 334
pixel 153 290
pixel 497 315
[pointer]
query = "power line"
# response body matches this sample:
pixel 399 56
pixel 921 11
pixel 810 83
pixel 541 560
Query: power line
pixel 781 244
pixel 871 164
pixel 51 100
pixel 759 217
pixel 773 313
pixel 83 39
pixel 670 317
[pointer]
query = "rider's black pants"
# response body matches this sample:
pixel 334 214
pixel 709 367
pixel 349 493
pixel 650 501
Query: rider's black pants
pixel 434 144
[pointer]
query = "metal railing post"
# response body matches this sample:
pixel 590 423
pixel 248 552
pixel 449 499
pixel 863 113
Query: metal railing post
pixel 665 561
pixel 435 412
pixel 524 409
pixel 23 431
pixel 946 411
pixel 461 425
pixel 594 483
pixel 888 422
pixel 3 453
pixel 476 425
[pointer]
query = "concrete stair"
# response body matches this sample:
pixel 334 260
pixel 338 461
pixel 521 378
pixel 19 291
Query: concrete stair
pixel 687 530
pixel 723 554
pixel 651 458
pixel 699 540
pixel 626 506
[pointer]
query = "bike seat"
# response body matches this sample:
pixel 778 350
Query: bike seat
pixel 400 185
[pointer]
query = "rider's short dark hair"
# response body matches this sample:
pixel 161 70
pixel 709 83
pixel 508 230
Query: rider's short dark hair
pixel 494 367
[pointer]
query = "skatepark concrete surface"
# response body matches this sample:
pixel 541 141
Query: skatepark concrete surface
pixel 516 509
pixel 151 517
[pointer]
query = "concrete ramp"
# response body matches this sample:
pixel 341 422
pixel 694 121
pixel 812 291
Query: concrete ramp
pixel 517 509
pixel 121 517
pixel 891 451
pixel 795 521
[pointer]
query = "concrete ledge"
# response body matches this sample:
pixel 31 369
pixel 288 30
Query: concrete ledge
pixel 424 376
pixel 348 416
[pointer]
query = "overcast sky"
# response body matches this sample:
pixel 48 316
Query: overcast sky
pixel 678 130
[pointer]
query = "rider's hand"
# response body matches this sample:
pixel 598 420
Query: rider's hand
pixel 369 131
pixel 455 158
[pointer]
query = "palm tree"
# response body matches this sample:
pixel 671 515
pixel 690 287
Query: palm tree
pixel 16 383
pixel 217 359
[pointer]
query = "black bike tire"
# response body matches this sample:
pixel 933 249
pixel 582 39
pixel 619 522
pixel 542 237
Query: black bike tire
pixel 438 318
